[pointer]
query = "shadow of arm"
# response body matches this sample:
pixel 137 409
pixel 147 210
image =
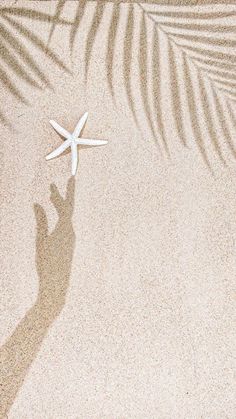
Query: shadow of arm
pixel 54 253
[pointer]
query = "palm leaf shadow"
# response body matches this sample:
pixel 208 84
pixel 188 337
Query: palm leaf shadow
pixel 81 7
pixel 157 91
pixel 143 71
pixel 127 59
pixel 112 34
pixel 176 95
pixel 97 18
pixel 56 17
pixel 187 32
pixel 201 52
pixel 16 59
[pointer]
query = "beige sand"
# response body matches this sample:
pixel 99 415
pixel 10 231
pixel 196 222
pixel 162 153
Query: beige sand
pixel 126 307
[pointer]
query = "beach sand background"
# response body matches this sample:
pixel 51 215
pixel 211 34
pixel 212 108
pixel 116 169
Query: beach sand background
pixel 125 306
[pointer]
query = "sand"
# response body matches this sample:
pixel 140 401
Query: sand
pixel 118 287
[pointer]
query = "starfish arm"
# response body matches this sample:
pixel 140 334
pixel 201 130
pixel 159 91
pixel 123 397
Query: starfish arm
pixel 88 141
pixel 80 125
pixel 60 130
pixel 74 158
pixel 58 150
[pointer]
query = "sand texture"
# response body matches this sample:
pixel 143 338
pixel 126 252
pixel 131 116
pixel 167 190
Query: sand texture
pixel 118 286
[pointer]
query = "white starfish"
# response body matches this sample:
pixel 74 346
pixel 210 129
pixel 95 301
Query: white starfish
pixel 72 140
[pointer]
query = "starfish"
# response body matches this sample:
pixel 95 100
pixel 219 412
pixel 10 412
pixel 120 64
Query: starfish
pixel 72 140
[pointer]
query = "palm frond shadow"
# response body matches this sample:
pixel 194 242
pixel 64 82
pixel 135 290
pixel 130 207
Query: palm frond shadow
pixel 16 59
pixel 200 63
pixel 204 124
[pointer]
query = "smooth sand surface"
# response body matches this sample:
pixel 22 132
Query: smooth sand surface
pixel 118 287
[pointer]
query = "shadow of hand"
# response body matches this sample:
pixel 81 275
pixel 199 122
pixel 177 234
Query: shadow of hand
pixel 54 251
pixel 54 254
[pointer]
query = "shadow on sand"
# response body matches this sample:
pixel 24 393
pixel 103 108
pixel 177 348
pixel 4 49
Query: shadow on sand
pixel 54 253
